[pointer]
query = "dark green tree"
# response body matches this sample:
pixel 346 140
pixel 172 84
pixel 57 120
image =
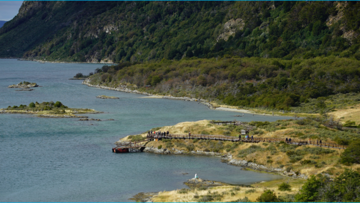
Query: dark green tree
pixel 285 187
pixel 310 190
pixel 58 104
pixel 267 196
pixel 32 105
pixel 351 155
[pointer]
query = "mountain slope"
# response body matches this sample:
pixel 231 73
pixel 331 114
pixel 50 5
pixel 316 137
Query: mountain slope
pixel 142 31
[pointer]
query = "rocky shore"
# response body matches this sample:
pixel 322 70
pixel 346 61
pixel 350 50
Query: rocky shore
pixel 25 89
pixel 69 113
pixel 227 158
pixel 106 97
pixel 77 78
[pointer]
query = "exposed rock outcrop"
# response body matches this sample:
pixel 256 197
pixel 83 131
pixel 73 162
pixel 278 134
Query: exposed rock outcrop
pixel 247 164
pixel 230 27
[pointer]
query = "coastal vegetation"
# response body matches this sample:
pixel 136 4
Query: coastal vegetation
pixel 313 86
pixel 48 109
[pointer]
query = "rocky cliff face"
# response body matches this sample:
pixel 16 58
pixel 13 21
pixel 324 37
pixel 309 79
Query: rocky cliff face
pixel 30 7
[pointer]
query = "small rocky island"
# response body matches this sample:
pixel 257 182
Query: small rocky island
pixel 25 86
pixel 48 109
pixel 106 97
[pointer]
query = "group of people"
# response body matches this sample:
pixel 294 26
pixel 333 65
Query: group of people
pixel 157 134
pixel 247 137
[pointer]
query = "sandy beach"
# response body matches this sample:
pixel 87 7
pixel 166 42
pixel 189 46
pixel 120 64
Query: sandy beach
pixel 235 110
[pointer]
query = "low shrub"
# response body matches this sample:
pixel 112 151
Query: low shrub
pixel 267 196
pixel 341 141
pixel 206 198
pixel 250 191
pixel 318 150
pixel 245 199
pixel 183 191
pixel 236 188
pixel 304 162
pixel 284 187
pixel 169 145
pixel 136 138
pixel 250 150
pixel 190 147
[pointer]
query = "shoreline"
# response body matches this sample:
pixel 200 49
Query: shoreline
pixel 71 62
pixel 153 96
pixel 228 159
pixel 42 61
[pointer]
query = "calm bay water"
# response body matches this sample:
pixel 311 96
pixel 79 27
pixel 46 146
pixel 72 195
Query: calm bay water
pixel 62 159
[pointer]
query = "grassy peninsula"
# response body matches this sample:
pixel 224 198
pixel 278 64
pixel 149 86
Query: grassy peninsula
pixel 295 163
pixel 307 160
pixel 48 109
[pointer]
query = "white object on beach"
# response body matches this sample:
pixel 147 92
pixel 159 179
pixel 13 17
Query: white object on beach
pixel 196 176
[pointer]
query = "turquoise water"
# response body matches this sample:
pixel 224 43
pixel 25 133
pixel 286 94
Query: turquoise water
pixel 63 159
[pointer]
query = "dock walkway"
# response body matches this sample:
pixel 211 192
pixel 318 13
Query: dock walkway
pixel 243 139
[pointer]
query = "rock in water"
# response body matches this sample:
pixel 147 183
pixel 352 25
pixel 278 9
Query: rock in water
pixel 106 97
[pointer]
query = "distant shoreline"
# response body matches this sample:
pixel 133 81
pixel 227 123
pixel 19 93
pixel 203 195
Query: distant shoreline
pixel 152 96
pixel 42 61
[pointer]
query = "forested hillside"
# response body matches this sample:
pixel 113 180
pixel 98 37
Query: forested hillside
pixel 245 82
pixel 145 31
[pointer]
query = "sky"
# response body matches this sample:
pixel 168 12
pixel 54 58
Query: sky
pixel 9 9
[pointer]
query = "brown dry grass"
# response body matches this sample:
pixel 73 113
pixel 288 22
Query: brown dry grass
pixel 174 196
pixel 351 113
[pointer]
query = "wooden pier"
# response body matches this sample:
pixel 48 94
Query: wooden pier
pixel 137 147
pixel 298 142
pixel 129 147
